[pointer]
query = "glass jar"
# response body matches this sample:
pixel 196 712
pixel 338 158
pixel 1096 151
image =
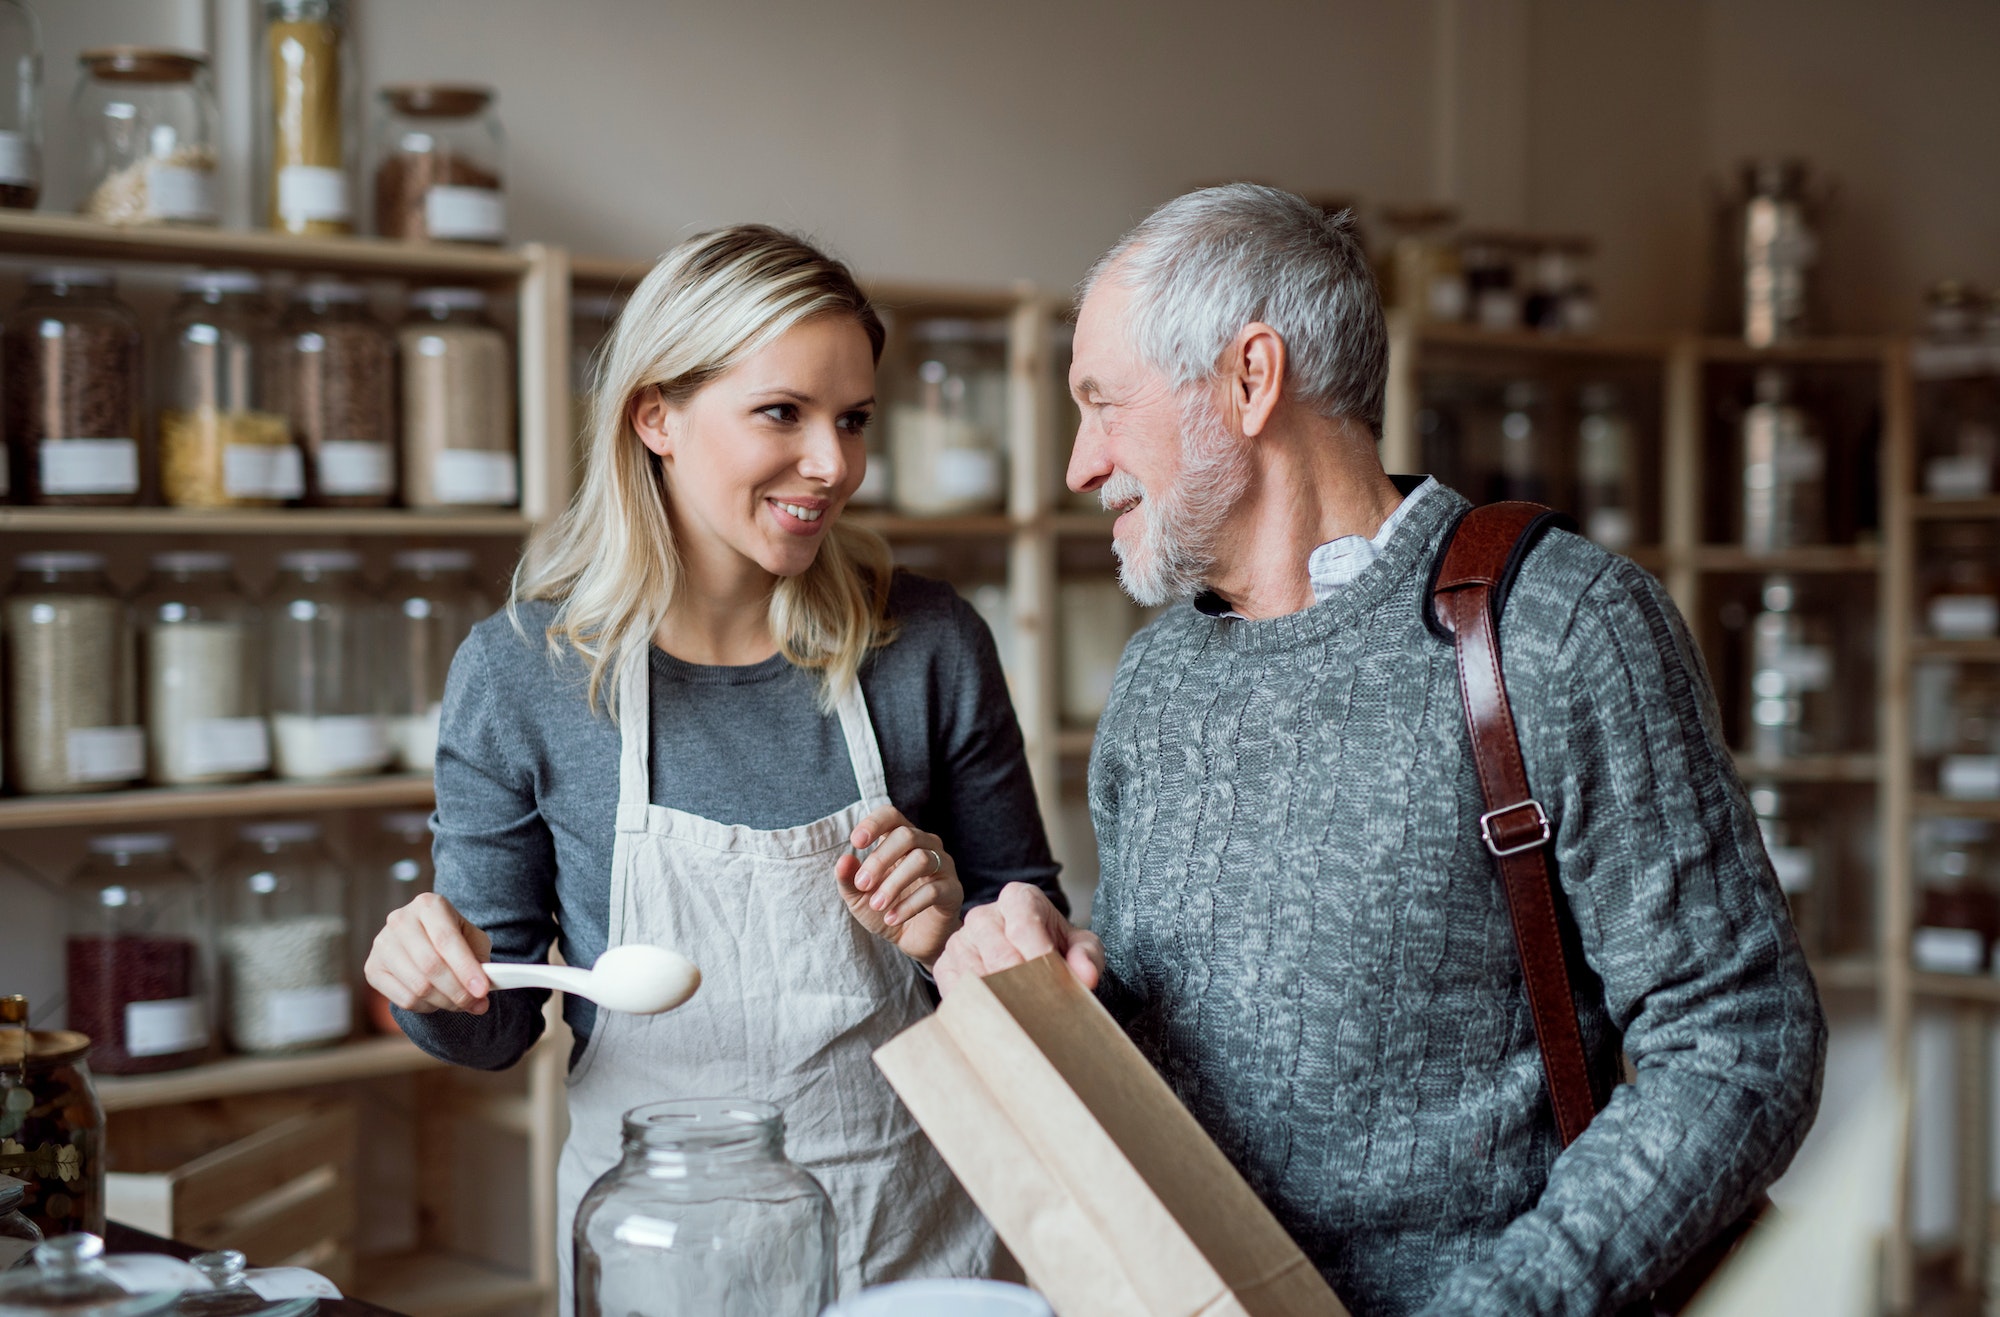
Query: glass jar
pixel 947 437
pixel 1970 766
pixel 1421 275
pixel 400 873
pixel 1607 503
pixel 336 364
pixel 235 1290
pixel 70 1277
pixel 1960 587
pixel 1523 461
pixel 201 688
pixel 283 941
pixel 309 138
pixel 1493 298
pixel 1784 471
pixel 224 438
pixel 1790 839
pixel 71 353
pixel 1958 913
pixel 18 1235
pixel 704 1214
pixel 20 109
pixel 326 718
pixel 71 711
pixel 1773 224
pixel 136 927
pixel 430 607
pixel 1560 300
pixel 1791 675
pixel 438 172
pixel 143 121
pixel 51 1122
pixel 458 404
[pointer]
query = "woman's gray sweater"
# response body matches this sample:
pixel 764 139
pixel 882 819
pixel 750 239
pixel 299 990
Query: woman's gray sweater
pixel 1307 937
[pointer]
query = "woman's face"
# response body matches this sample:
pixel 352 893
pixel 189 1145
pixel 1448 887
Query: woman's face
pixel 761 460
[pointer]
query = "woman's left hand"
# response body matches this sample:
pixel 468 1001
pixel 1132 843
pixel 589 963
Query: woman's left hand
pixel 907 891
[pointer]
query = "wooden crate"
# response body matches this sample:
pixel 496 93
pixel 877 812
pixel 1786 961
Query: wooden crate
pixel 271 1176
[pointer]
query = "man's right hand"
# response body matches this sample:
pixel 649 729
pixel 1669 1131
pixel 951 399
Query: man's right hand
pixel 1013 930
pixel 427 958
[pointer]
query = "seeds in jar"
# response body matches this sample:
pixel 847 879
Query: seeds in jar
pixel 458 416
pixel 109 976
pixel 287 983
pixel 340 376
pixel 201 723
pixel 213 459
pixel 403 186
pixel 72 409
pixel 65 661
pixel 312 746
pixel 178 186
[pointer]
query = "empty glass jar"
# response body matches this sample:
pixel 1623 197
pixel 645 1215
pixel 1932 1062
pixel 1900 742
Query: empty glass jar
pixel 438 173
pixel 72 717
pixel 326 718
pixel 20 108
pixel 283 941
pixel 704 1214
pixel 224 438
pixel 144 123
pixel 201 688
pixel 71 354
pixel 430 608
pixel 136 928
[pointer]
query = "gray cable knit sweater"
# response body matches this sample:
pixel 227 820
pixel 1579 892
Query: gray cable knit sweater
pixel 1307 937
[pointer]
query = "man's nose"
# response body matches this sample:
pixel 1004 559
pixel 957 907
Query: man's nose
pixel 1089 466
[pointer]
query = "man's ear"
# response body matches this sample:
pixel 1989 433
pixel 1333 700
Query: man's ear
pixel 653 422
pixel 1256 376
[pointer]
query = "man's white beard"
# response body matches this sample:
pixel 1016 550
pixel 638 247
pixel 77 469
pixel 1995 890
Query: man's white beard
pixel 1175 553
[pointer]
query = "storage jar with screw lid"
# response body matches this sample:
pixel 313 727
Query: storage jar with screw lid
pixel 144 122
pixel 337 363
pixel 310 139
pixel 20 110
pixel 326 718
pixel 71 716
pixel 438 165
pixel 51 1122
pixel 431 607
pixel 137 924
pixel 74 385
pixel 199 665
pixel 947 438
pixel 224 437
pixel 458 404
pixel 401 873
pixel 283 941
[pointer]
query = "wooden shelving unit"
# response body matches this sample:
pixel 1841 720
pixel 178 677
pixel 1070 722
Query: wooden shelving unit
pixel 385 522
pixel 368 1058
pixel 112 809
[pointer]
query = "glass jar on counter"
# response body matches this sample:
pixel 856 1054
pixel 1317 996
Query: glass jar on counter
pixel 336 364
pixel 201 687
pixel 430 607
pixel 947 437
pixel 71 353
pixel 704 1213
pixel 1791 675
pixel 224 438
pixel 1784 470
pixel 1961 590
pixel 309 139
pixel 1421 276
pixel 438 172
pixel 71 700
pixel 458 404
pixel 18 1235
pixel 137 924
pixel 1607 503
pixel 51 1122
pixel 144 122
pixel 283 941
pixel 401 872
pixel 20 111
pixel 326 719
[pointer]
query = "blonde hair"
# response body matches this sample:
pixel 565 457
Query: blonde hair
pixel 610 562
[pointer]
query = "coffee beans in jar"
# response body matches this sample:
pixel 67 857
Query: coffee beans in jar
pixel 338 368
pixel 133 956
pixel 70 696
pixel 458 404
pixel 438 178
pixel 224 439
pixel 73 380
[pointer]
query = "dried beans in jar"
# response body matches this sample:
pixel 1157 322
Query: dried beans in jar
pixel 338 366
pixel 73 386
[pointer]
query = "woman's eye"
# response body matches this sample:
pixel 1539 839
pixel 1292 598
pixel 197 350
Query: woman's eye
pixel 856 422
pixel 782 412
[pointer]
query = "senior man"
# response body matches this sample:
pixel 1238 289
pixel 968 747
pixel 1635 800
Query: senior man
pixel 1300 925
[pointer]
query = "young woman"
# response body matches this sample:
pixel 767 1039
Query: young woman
pixel 705 691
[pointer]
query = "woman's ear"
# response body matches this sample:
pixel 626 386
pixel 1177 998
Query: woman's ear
pixel 653 421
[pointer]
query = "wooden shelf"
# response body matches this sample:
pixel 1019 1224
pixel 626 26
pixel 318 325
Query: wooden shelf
pixel 1965 651
pixel 1811 768
pixel 1979 988
pixel 369 1058
pixel 1452 336
pixel 892 526
pixel 1819 558
pixel 261 521
pixel 164 804
pixel 1931 805
pixel 1955 509
pixel 1854 973
pixel 1858 351
pixel 31 233
pixel 442 1285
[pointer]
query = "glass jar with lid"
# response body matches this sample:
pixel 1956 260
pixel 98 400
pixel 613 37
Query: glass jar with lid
pixel 1969 768
pixel 337 366
pixel 458 404
pixel 71 700
pixel 20 107
pixel 71 353
pixel 1607 504
pixel 144 123
pixel 1784 470
pixel 438 165
pixel 201 679
pixel 1420 271
pixel 326 719
pixel 1961 590
pixel 309 139
pixel 283 941
pixel 18 1235
pixel 224 437
pixel 51 1122
pixel 430 606
pixel 1791 675
pixel 1958 912
pixel 947 436
pixel 400 873
pixel 137 925
pixel 704 1213
pixel 1493 296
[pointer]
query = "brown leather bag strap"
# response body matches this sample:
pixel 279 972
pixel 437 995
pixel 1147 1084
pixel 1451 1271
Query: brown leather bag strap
pixel 1473 575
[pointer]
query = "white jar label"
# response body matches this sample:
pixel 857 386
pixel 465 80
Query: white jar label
pixel 89 466
pixel 1958 477
pixel 1806 667
pixel 20 166
pixel 161 1028
pixel 307 1015
pixel 462 475
pixel 1794 867
pixel 312 192
pixel 227 745
pixel 106 754
pixel 468 214
pixel 348 468
pixel 174 192
pixel 1970 777
pixel 966 473
pixel 289 1283
pixel 1965 616
pixel 1948 950
pixel 310 747
pixel 262 471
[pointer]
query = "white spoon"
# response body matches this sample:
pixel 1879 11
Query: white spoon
pixel 636 979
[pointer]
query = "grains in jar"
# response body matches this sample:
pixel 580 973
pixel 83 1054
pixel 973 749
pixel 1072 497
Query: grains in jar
pixel 338 367
pixel 73 385
pixel 198 656
pixel 224 439
pixel 458 404
pixel 70 707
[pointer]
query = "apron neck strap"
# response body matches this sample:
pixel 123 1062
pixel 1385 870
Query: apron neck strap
pixel 864 752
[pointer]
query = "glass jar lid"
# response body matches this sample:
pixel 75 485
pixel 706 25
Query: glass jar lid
pixel 70 1279
pixel 434 560
pixel 437 100
pixel 70 276
pixel 131 843
pixel 315 561
pixel 233 1296
pixel 448 299
pixel 338 292
pixel 279 834
pixel 217 283
pixel 142 64
pixel 192 560
pixel 50 563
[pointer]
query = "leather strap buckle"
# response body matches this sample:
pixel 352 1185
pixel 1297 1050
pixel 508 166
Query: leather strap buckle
pixel 1541 837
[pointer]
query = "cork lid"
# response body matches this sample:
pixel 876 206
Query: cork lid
pixel 437 100
pixel 142 64
pixel 41 1045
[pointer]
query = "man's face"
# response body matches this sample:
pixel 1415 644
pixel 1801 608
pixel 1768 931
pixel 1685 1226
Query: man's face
pixel 1161 459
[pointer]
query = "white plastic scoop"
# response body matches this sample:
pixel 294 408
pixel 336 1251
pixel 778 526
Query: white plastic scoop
pixel 636 979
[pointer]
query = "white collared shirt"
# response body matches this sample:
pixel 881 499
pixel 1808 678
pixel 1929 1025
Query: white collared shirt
pixel 1339 562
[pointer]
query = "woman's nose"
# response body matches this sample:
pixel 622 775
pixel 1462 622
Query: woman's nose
pixel 825 457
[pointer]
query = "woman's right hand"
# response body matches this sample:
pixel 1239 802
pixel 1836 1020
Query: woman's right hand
pixel 427 958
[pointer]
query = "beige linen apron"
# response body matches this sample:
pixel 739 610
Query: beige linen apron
pixel 795 996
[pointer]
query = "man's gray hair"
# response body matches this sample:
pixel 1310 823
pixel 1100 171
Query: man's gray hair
pixel 1206 264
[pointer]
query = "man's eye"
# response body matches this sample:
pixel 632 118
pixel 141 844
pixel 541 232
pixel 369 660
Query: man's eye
pixel 782 412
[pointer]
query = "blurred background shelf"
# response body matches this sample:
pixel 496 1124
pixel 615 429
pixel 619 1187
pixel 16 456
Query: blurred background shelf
pixel 1821 558
pixel 369 1058
pixel 260 521
pixel 115 809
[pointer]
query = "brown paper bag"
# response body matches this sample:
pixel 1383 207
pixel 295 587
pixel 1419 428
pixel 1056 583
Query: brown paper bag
pixel 1107 1191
